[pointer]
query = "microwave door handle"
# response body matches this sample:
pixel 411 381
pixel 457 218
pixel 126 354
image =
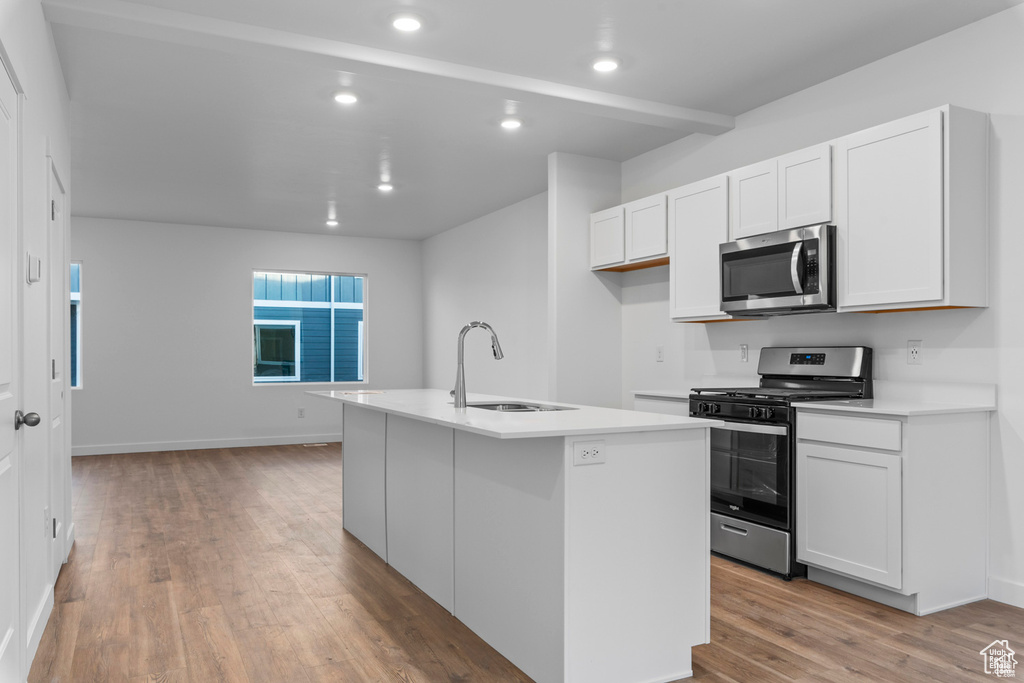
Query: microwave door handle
pixel 793 268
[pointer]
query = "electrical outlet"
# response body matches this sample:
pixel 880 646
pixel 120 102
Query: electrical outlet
pixel 587 452
pixel 659 354
pixel 914 350
pixel 744 356
pixel 302 413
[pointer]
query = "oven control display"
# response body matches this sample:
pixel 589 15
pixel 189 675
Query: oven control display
pixel 807 359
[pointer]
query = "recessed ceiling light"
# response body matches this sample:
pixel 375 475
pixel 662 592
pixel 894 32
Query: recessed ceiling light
pixel 332 224
pixel 511 123
pixel 605 64
pixel 407 22
pixel 346 98
pixel 385 187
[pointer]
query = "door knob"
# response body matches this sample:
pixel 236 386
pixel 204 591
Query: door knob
pixel 29 419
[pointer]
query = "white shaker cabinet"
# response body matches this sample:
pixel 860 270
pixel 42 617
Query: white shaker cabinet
pixel 607 238
pixel 754 201
pixel 849 511
pixel 894 507
pixel 911 212
pixel 790 191
pixel 631 236
pixel 698 219
pixel 646 229
pixel 805 187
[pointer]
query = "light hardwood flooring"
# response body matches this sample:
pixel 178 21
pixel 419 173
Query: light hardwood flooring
pixel 231 565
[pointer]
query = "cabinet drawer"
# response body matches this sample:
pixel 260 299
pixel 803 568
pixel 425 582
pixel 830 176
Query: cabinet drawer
pixel 866 432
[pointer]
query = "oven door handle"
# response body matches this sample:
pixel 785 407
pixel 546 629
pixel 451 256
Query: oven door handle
pixel 780 430
pixel 794 271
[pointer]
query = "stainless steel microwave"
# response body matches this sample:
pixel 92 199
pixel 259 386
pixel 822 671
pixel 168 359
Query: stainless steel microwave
pixel 780 273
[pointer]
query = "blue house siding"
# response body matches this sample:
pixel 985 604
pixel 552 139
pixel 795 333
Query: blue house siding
pixel 314 338
pixel 346 344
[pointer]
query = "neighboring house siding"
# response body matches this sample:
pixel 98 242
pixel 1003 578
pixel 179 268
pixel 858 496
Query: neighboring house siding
pixel 346 344
pixel 314 339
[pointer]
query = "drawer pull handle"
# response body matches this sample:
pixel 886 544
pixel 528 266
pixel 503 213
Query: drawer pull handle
pixel 734 529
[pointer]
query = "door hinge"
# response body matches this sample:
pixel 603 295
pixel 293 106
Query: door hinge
pixel 53 209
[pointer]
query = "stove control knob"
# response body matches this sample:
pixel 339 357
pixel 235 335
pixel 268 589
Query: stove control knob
pixel 716 408
pixel 704 407
pixel 755 413
pixel 769 413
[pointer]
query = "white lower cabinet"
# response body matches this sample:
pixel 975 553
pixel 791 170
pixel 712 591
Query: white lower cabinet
pixel 894 507
pixel 849 512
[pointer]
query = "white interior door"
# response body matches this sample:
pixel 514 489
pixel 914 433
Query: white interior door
pixel 59 298
pixel 10 642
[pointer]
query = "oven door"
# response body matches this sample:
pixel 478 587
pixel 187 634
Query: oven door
pixel 750 472
pixel 781 272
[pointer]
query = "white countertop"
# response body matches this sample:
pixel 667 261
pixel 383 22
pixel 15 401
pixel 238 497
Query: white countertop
pixel 897 407
pixel 435 405
pixel 903 399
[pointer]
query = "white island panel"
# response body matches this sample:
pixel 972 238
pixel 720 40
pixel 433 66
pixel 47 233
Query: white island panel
pixel 419 505
pixel 637 547
pixel 509 548
pixel 362 501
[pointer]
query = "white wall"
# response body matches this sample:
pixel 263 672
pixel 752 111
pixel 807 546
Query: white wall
pixel 584 318
pixel 167 333
pixel 977 67
pixel 492 269
pixel 27 47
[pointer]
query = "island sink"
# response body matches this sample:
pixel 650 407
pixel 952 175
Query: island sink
pixel 517 407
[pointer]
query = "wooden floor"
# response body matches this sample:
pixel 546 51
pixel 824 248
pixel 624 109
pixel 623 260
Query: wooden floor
pixel 231 565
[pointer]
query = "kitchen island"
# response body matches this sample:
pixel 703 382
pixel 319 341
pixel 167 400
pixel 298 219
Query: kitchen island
pixel 573 541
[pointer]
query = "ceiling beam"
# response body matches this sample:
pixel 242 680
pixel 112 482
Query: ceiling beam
pixel 172 26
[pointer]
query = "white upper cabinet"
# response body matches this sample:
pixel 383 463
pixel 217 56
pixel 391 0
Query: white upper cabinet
pixel 911 212
pixel 607 238
pixel 698 218
pixel 805 187
pixel 788 192
pixel 646 233
pixel 754 204
pixel 631 236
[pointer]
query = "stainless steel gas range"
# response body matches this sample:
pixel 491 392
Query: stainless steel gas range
pixel 752 455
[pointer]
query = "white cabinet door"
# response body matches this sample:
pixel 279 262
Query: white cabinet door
pixel 607 238
pixel 646 229
pixel 805 187
pixel 849 512
pixel 698 218
pixel 889 200
pixel 754 200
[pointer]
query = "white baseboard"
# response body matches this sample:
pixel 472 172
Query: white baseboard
pixel 241 442
pixel 1004 590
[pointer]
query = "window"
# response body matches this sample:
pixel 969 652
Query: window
pixel 308 327
pixel 76 324
pixel 277 351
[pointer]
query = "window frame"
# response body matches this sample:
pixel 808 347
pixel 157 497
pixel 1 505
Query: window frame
pixel 269 323
pixel 332 305
pixel 75 301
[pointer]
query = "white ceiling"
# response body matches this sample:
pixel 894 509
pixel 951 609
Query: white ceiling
pixel 220 112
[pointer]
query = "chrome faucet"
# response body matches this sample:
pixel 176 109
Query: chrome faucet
pixel 459 392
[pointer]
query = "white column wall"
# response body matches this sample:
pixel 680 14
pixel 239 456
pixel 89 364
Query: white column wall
pixel 167 333
pixel 584 308
pixel 977 67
